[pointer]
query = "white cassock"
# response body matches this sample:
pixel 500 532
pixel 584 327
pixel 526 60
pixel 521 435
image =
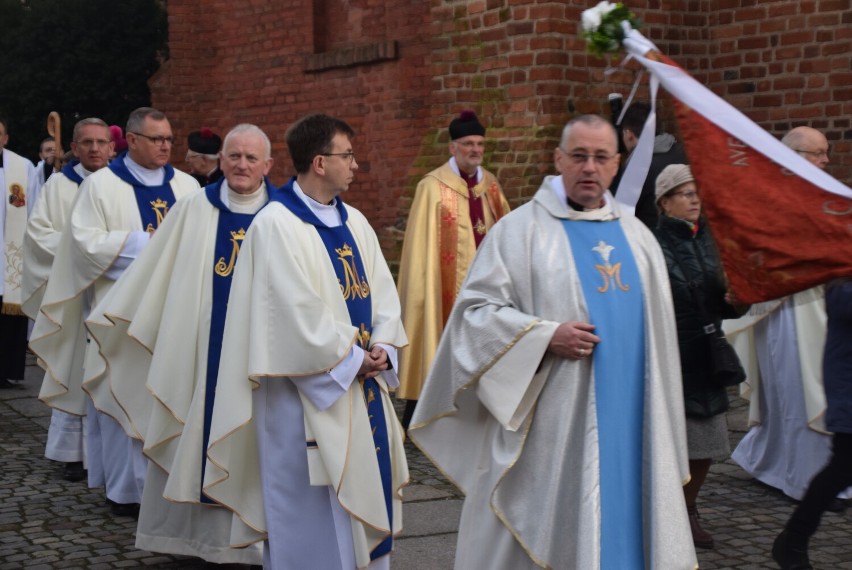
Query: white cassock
pixel 103 235
pixel 781 344
pixel 514 427
pixel 291 451
pixel 44 228
pixel 153 330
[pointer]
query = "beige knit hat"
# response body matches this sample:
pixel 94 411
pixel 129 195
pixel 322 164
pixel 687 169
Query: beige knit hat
pixel 670 178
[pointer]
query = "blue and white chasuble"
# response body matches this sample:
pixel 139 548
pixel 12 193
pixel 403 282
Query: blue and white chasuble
pixel 613 295
pixel 71 174
pixel 153 201
pixel 230 231
pixel 346 260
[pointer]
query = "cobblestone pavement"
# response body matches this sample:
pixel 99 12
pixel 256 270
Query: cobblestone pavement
pixel 48 523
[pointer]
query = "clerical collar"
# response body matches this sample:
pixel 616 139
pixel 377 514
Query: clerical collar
pixel 147 176
pixel 81 170
pixel 455 168
pixel 327 213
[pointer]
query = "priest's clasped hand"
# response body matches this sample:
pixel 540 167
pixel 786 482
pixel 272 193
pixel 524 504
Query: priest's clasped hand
pixel 574 340
pixel 375 361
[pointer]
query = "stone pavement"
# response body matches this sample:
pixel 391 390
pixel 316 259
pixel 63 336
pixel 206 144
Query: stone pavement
pixel 47 523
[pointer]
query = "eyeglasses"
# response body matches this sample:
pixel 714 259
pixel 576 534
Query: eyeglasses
pixel 159 141
pixel 691 195
pixel 816 153
pixel 347 156
pixel 89 143
pixel 579 158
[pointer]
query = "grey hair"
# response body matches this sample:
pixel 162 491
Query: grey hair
pixel 137 118
pixel 247 128
pixel 591 120
pixel 85 122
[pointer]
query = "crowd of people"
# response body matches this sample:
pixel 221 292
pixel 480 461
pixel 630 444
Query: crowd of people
pixel 222 354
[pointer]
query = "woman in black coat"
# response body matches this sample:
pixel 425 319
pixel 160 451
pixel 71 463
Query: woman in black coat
pixel 700 300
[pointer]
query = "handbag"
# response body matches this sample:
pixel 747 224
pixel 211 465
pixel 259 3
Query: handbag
pixel 727 370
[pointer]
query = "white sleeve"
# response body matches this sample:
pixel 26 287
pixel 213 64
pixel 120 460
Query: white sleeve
pixel 325 388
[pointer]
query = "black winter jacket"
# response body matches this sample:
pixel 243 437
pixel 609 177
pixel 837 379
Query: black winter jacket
pixel 700 260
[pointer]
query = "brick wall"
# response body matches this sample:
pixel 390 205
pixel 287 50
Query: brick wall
pixel 398 71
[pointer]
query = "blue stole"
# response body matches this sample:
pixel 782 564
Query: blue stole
pixel 346 260
pixel 153 201
pixel 71 174
pixel 230 231
pixel 613 293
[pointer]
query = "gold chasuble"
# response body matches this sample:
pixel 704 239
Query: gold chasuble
pixel 438 249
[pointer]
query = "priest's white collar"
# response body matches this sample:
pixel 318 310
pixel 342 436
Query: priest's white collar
pixel 327 213
pixel 455 167
pixel 146 176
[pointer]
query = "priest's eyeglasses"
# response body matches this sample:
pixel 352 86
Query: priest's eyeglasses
pixel 579 158
pixel 89 143
pixel 816 153
pixel 347 156
pixel 159 141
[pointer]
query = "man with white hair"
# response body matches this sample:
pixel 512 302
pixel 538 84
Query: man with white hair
pixel 787 443
pixel 160 332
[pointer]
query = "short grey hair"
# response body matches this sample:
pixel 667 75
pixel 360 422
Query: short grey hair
pixel 591 120
pixel 246 129
pixel 137 118
pixel 85 122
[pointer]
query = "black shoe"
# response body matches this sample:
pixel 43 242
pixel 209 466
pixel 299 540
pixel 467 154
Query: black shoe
pixel 124 509
pixel 788 557
pixel 6 385
pixel 837 506
pixel 74 471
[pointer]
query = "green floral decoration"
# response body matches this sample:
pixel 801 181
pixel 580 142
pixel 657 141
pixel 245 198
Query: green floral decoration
pixel 602 27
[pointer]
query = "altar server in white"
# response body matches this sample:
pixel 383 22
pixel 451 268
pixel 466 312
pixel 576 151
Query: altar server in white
pixel 305 446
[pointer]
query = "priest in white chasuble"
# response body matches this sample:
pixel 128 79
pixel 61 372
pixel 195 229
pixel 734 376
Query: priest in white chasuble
pixel 92 147
pixel 304 445
pixel 159 331
pixel 554 401
pixel 117 210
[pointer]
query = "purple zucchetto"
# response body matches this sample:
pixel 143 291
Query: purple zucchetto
pixel 465 125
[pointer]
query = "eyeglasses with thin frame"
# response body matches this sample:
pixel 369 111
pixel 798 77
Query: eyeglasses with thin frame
pixel 89 143
pixel 159 141
pixel 816 153
pixel 579 158
pixel 348 156
pixel 691 195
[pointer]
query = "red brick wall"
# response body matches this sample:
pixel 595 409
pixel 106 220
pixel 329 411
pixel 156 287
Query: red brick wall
pixel 519 63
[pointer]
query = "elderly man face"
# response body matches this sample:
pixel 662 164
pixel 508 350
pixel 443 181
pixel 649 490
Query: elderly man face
pixel 809 143
pixel 468 152
pixel 244 162
pixel 587 160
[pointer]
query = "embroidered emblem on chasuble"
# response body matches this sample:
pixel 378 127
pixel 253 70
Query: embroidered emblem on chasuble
pixel 153 201
pixel 616 307
pixel 17 196
pixel 448 247
pixel 230 231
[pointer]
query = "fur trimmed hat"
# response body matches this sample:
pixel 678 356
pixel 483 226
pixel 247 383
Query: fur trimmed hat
pixel 465 125
pixel 204 141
